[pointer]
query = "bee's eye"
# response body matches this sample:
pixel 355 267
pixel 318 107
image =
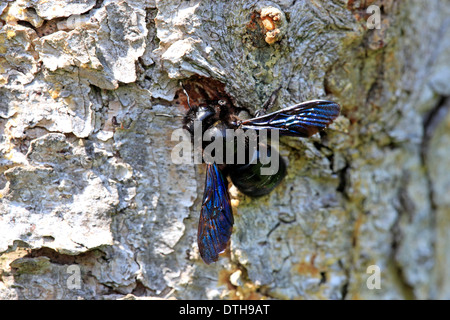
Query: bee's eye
pixel 222 102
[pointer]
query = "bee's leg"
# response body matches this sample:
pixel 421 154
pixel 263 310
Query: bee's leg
pixel 268 104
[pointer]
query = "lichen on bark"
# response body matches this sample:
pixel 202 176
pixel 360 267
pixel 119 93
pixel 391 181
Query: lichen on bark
pixel 88 103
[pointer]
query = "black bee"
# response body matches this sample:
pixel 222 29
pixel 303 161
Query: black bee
pixel 216 216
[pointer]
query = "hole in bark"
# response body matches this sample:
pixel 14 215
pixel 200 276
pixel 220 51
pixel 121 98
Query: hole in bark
pixel 49 27
pixel 202 91
pixel 25 24
pixel 343 180
pixel 323 277
pixel 60 258
pixel 140 290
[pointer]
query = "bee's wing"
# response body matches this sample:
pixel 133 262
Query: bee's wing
pixel 216 216
pixel 301 120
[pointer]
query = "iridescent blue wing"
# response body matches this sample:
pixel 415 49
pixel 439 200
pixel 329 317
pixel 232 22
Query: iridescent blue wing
pixel 216 216
pixel 301 120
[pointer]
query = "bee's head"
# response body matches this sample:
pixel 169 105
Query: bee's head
pixel 204 114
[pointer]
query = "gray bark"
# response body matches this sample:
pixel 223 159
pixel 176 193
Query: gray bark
pixel 88 190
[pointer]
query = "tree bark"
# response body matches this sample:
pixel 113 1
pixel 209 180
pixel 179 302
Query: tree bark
pixel 92 206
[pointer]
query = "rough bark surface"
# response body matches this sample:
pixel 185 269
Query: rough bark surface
pixel 87 109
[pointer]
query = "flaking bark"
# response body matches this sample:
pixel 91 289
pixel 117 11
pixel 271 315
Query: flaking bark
pixel 88 103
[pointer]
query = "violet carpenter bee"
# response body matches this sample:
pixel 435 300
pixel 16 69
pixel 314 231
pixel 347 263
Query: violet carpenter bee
pixel 216 216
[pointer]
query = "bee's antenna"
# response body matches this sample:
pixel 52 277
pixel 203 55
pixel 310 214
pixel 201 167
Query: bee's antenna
pixel 269 103
pixel 185 92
